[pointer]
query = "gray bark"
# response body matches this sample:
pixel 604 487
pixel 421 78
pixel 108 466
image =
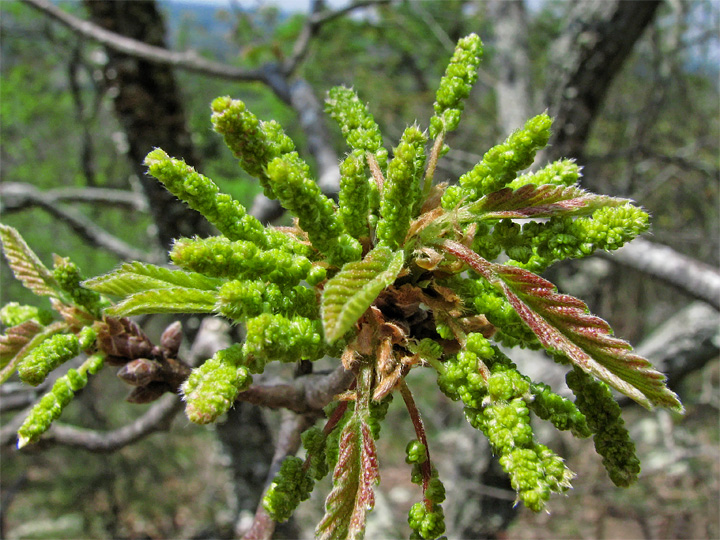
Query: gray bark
pixel 600 36
pixel 511 63
pixel 150 109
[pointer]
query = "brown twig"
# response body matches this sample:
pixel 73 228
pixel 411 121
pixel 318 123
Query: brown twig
pixel 305 395
pixel 157 418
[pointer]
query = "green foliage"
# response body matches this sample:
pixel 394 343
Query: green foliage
pixel 397 276
pixel 13 314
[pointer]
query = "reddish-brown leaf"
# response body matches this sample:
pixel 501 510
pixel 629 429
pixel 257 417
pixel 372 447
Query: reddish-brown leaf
pixel 26 266
pixel 356 472
pixel 540 201
pixel 16 338
pixel 563 325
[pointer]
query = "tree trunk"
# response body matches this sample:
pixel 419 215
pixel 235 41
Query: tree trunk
pixel 149 107
pixel 600 36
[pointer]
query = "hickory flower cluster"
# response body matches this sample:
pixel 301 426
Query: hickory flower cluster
pixel 403 272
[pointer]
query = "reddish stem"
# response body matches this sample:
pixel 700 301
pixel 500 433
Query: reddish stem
pixel 425 467
pixel 331 424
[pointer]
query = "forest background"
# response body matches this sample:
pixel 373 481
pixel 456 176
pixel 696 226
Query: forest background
pixel 635 90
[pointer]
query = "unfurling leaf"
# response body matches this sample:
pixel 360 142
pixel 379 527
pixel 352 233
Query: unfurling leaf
pixel 26 266
pixel 352 290
pixel 355 474
pixel 169 300
pixel 16 338
pixel 131 278
pixel 563 325
pixel 540 201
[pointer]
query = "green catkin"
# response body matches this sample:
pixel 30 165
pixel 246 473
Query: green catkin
pixel 402 188
pixel 378 410
pixel 243 299
pixel 455 86
pixel 554 408
pixel 13 314
pixel 353 199
pixel 211 389
pixel 86 338
pixel 51 405
pixel 279 338
pixel 484 299
pixel 47 356
pixel 253 142
pixel 201 194
pixel 612 440
pixel 290 487
pixel 564 172
pixel 356 123
pixel 314 441
pixel 316 212
pixel 67 275
pixel 426 524
pixel 562 237
pixel 501 163
pixel 415 452
pixel 219 257
pixel 498 407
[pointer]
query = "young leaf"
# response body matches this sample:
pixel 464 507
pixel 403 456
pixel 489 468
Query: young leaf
pixel 169 300
pixel 16 338
pixel 26 266
pixel 355 473
pixel 352 290
pixel 563 325
pixel 540 201
pixel 32 342
pixel 136 277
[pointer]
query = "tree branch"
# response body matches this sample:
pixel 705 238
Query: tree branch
pixel 22 194
pixel 157 418
pixel 16 196
pixel 188 60
pixel 305 395
pixel 585 59
pixel 692 277
pixel 313 24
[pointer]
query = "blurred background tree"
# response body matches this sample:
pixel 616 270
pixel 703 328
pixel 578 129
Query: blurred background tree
pixel 634 88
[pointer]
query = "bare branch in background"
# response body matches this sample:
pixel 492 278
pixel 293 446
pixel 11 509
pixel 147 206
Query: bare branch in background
pixel 691 276
pixel 84 227
pixel 189 60
pixel 584 61
pixel 17 196
pixel 314 22
pixel 157 418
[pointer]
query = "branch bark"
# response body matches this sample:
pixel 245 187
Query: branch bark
pixel 690 276
pixel 16 196
pixel 305 395
pixel 19 196
pixel 600 36
pixel 148 103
